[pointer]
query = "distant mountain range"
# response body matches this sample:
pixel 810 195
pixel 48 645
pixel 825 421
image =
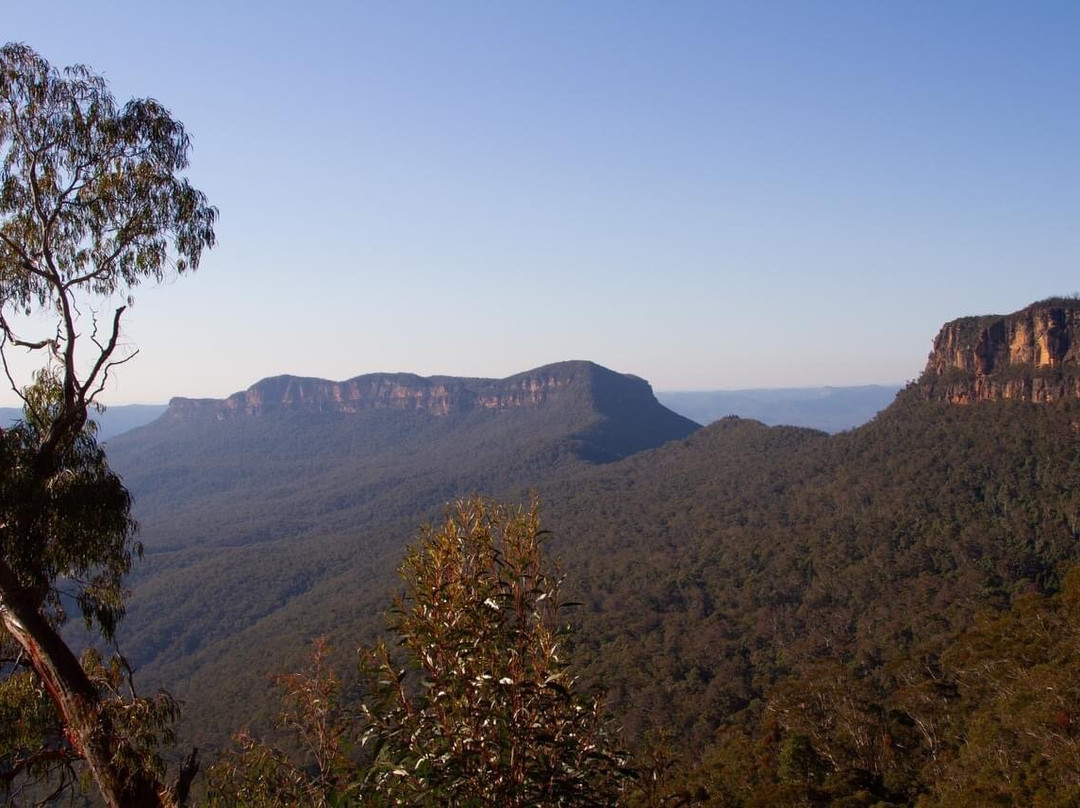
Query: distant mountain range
pixel 830 409
pixel 1038 340
pixel 715 566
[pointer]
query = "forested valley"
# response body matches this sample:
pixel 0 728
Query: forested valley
pixel 791 617
pixel 544 589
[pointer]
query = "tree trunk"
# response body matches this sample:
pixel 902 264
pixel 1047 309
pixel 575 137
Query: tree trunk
pixel 77 701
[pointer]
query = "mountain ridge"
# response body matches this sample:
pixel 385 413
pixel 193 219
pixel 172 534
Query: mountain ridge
pixel 438 395
pixel 709 566
pixel 298 490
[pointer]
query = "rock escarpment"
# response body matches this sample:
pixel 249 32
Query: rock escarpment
pixel 436 395
pixel 578 407
pixel 1030 355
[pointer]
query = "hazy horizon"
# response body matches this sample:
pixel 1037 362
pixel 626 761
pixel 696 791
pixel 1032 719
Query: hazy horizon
pixel 657 390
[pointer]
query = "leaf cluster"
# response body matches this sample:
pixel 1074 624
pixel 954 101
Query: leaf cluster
pixel 497 722
pixel 484 711
pixel 89 191
pixel 68 535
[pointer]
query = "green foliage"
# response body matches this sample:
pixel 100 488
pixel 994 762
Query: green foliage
pixel 67 537
pixel 497 723
pixel 484 713
pixel 141 725
pixel 36 753
pixel 32 747
pixel 70 532
pixel 799 762
pixel 89 191
pixel 257 774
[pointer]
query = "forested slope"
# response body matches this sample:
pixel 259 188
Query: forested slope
pixel 269 523
pixel 715 565
pixel 730 580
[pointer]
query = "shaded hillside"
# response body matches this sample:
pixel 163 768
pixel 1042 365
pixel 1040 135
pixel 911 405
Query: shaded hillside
pixel 272 521
pixel 713 566
pixel 289 455
pixel 715 570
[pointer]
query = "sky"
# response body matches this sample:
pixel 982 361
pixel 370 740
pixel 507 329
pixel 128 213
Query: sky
pixel 710 195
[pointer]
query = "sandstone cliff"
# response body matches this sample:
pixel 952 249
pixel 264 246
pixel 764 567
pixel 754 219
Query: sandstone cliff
pixel 1030 355
pixel 580 407
pixel 437 395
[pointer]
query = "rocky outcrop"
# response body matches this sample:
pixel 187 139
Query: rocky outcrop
pixel 437 395
pixel 1031 355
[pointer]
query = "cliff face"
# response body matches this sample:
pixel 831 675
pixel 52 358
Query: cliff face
pixel 1031 355
pixel 437 395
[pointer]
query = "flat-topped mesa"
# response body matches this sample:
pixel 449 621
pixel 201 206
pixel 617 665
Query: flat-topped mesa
pixel 1030 355
pixel 437 395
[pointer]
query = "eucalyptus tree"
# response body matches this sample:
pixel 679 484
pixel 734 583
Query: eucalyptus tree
pixel 499 721
pixel 92 204
pixel 477 705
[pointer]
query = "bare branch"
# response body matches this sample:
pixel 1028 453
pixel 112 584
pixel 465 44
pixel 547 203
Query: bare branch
pixel 105 375
pixel 181 788
pixel 65 783
pixel 104 268
pixel 41 756
pixel 7 370
pixel 103 361
pixel 9 336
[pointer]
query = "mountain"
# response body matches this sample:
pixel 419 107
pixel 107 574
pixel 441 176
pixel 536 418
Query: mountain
pixel 712 567
pixel 750 589
pixel 718 569
pixel 831 409
pixel 280 512
pixel 615 414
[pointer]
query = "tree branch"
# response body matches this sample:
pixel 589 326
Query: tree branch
pixel 181 788
pixel 7 370
pixel 9 336
pixel 103 361
pixel 9 774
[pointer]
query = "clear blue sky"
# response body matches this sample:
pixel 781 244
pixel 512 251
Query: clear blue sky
pixel 705 194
